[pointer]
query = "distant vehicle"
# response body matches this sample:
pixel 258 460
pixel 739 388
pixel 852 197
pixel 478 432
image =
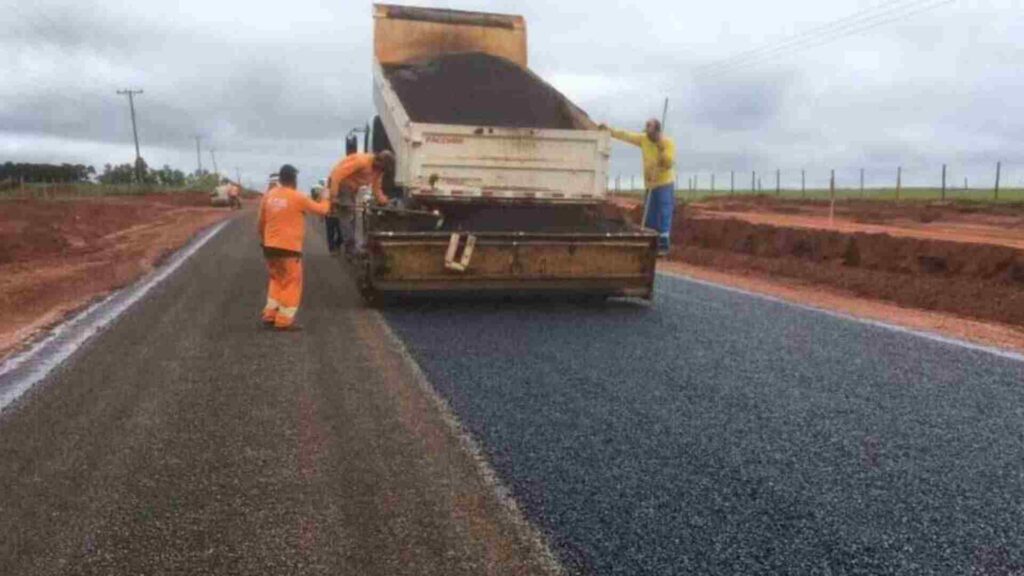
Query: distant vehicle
pixel 500 190
pixel 273 182
pixel 221 195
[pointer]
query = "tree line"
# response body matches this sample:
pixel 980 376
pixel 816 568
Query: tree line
pixel 11 172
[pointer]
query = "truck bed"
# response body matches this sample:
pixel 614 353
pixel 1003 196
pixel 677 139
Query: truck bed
pixel 477 89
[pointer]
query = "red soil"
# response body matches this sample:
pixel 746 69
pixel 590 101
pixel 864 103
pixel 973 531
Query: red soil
pixel 982 281
pixel 58 255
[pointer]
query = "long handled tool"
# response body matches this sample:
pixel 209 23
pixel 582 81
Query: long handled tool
pixel 647 206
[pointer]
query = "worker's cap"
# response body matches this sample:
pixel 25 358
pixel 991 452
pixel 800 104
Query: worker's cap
pixel 288 171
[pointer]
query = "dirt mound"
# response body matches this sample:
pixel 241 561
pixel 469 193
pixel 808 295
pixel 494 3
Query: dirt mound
pixel 480 90
pixel 976 280
pixel 31 229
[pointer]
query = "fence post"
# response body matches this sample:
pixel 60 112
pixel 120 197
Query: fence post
pixel 943 181
pixel 999 169
pixel 861 182
pixel 803 183
pixel 832 198
pixel 732 182
pixel 778 185
pixel 899 180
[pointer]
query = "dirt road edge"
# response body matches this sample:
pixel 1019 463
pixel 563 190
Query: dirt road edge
pixel 473 449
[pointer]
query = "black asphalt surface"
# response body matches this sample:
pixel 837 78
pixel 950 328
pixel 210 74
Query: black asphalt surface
pixel 186 439
pixel 716 433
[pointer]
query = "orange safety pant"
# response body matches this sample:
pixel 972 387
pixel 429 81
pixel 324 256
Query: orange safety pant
pixel 285 290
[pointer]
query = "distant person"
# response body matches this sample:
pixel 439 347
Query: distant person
pixel 659 154
pixel 282 227
pixel 348 176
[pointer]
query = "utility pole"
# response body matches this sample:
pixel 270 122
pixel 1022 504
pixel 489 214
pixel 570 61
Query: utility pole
pixel 732 182
pixel 238 176
pixel 199 158
pixel 832 198
pixel 778 185
pixel 712 183
pixel 861 182
pixel 943 181
pixel 213 156
pixel 899 180
pixel 803 183
pixel 999 170
pixel 135 131
pixel 753 181
pixel 664 115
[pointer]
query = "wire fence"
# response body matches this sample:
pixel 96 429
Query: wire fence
pixel 50 190
pixel 932 184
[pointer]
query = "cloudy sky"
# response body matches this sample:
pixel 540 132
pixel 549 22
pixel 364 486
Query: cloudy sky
pixel 264 83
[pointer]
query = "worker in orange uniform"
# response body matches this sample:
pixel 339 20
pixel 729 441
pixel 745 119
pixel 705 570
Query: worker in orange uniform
pixel 351 173
pixel 282 227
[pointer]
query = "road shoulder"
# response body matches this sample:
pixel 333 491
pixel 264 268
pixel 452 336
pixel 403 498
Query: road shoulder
pixel 983 333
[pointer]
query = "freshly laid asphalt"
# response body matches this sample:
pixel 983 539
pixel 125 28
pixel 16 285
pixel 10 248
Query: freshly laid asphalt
pixel 717 433
pixel 186 439
pixel 711 433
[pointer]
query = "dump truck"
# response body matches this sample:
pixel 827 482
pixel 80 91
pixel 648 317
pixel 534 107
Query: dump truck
pixel 501 180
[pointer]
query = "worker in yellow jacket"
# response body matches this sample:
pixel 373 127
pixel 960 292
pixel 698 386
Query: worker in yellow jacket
pixel 659 154
pixel 282 227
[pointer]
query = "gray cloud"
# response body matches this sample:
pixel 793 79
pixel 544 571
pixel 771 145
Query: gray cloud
pixel 265 84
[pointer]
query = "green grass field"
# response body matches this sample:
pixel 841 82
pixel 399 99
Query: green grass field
pixel 1009 195
pixel 86 190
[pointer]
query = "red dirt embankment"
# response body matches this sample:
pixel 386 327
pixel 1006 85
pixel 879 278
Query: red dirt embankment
pixel 1001 224
pixel 58 255
pixel 982 281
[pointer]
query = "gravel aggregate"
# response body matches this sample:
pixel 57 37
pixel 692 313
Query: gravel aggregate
pixel 186 439
pixel 717 433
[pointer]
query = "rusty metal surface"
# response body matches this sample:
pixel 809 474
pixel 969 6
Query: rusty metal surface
pixel 406 34
pixel 447 16
pixel 614 264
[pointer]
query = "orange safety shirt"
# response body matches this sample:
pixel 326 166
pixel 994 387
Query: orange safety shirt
pixel 353 172
pixel 282 221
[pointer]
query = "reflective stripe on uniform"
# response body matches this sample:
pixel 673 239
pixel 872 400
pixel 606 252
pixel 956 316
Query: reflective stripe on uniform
pixel 272 304
pixel 287 312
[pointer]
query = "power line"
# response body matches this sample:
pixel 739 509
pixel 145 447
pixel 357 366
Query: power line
pixel 820 36
pixel 135 131
pixel 815 31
